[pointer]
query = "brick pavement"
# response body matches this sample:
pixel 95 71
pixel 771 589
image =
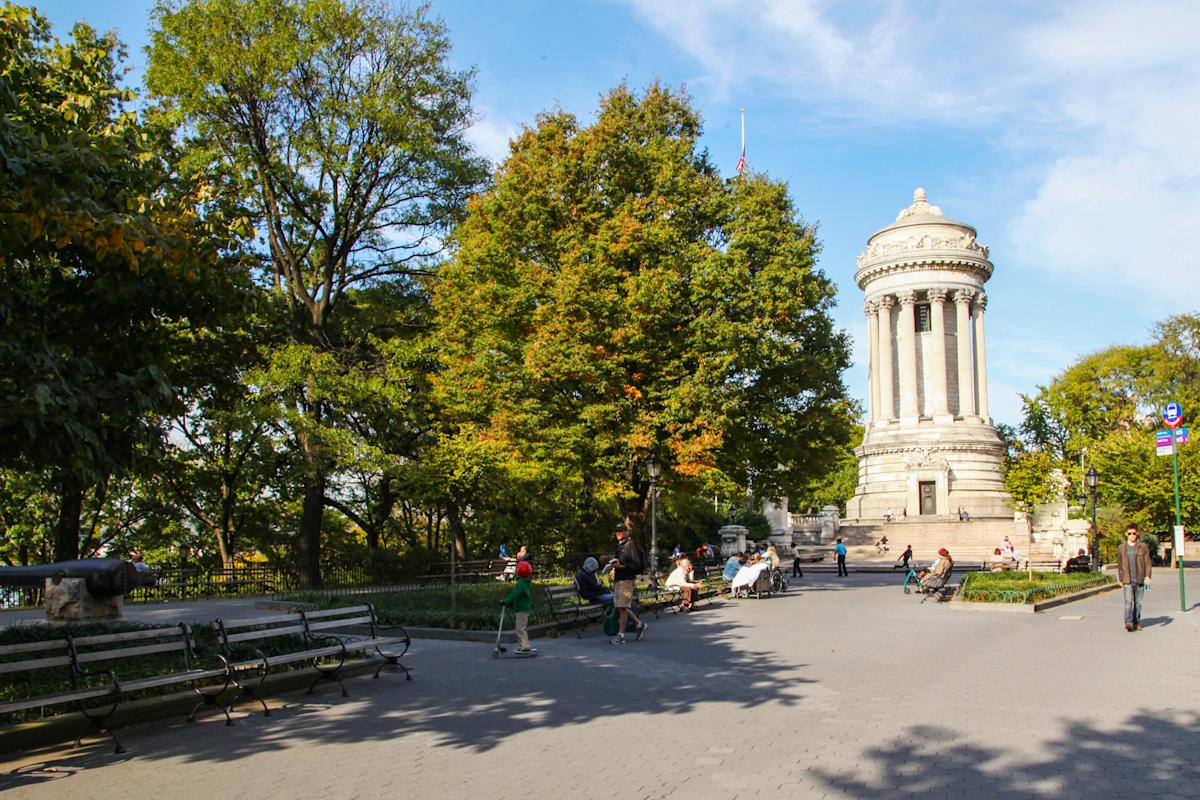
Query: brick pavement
pixel 845 689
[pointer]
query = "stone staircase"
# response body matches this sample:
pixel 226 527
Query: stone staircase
pixel 966 541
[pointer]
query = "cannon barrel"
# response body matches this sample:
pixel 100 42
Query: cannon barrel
pixel 105 577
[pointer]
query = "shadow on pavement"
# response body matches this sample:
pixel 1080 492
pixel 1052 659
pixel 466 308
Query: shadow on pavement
pixel 466 699
pixel 1148 755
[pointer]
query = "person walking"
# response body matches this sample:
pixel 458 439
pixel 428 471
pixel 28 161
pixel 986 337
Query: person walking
pixel 905 557
pixel 840 549
pixel 1133 573
pixel 627 564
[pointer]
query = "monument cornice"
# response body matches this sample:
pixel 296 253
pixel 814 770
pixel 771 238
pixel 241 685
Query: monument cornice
pixel 868 271
pixel 958 447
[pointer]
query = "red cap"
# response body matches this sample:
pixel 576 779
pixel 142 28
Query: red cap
pixel 524 569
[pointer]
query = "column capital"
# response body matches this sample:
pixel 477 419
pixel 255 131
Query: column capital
pixel 871 308
pixel 937 294
pixel 886 302
pixel 907 298
pixel 963 297
pixel 982 301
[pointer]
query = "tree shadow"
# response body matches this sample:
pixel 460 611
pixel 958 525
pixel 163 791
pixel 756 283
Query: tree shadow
pixel 463 698
pixel 1147 755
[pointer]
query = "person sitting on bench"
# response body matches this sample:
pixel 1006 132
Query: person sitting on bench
pixel 999 562
pixel 939 571
pixel 681 578
pixel 589 585
pixel 1079 563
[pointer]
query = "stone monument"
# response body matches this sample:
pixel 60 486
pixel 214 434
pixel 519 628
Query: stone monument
pixel 930 449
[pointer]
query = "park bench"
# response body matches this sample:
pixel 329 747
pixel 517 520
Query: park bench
pixel 86 667
pixel 941 592
pixel 311 637
pixel 1043 565
pixel 567 608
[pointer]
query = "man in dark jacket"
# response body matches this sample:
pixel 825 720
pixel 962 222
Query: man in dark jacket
pixel 627 564
pixel 1133 573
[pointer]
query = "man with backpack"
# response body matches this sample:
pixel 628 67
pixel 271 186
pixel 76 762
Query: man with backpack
pixel 628 562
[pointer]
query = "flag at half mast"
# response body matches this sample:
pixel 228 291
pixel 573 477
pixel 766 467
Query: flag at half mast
pixel 741 165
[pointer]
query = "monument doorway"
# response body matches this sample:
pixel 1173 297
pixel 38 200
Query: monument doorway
pixel 928 490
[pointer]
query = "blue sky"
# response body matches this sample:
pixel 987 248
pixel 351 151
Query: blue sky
pixel 1067 133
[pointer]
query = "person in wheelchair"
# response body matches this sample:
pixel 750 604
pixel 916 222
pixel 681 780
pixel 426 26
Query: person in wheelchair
pixel 938 573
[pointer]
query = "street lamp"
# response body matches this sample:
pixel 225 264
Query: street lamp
pixel 1092 479
pixel 653 469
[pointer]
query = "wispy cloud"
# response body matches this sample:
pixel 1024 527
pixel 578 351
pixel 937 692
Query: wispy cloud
pixel 1096 106
pixel 491 135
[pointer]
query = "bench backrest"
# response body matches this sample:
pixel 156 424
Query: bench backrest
pixel 77 653
pixel 29 656
pixel 305 625
pixel 562 594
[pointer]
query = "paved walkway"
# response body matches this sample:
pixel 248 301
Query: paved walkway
pixel 845 689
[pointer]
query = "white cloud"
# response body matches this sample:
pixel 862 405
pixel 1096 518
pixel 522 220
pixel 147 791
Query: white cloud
pixel 491 135
pixel 1094 107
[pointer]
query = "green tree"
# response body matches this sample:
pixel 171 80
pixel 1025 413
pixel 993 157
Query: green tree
pixel 613 297
pixel 340 125
pixel 107 252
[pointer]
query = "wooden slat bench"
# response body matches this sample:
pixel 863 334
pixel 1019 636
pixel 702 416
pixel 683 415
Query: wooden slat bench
pixel 89 666
pixel 568 608
pixel 309 636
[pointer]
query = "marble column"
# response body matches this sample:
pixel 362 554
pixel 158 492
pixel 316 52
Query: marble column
pixel 872 310
pixel 981 357
pixel 966 378
pixel 935 367
pixel 906 340
pixel 887 401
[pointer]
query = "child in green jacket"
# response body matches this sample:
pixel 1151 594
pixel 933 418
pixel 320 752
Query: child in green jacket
pixel 520 600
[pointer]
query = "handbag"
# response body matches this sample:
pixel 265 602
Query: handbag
pixel 611 621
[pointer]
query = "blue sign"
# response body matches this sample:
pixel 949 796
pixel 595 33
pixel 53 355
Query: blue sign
pixel 1172 414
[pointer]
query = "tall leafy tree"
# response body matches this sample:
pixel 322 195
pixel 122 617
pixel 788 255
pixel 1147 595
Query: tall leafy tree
pixel 613 297
pixel 106 253
pixel 340 124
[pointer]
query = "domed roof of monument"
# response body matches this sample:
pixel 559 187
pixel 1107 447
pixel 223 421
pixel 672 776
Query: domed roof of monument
pixel 921 212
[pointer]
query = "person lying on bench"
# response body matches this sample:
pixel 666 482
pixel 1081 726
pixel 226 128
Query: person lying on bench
pixel 681 578
pixel 589 586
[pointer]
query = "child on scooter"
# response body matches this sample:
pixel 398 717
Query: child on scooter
pixel 520 600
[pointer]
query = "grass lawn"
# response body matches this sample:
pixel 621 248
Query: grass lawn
pixel 1018 587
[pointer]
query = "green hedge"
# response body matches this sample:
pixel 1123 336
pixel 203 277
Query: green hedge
pixel 1018 587
pixel 476 606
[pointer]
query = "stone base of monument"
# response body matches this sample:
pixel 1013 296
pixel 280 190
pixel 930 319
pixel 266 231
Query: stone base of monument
pixel 68 600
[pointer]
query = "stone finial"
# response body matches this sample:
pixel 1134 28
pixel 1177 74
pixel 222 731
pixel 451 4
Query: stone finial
pixel 919 206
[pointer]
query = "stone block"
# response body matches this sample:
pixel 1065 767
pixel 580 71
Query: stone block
pixel 68 600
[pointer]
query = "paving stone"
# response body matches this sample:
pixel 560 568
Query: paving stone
pixel 829 691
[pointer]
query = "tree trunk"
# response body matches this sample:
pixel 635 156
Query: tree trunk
pixel 457 534
pixel 308 550
pixel 70 508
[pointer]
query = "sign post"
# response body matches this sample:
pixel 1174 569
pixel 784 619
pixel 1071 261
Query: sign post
pixel 1173 417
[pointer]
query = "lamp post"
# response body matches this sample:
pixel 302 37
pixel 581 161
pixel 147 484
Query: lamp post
pixel 653 469
pixel 1092 479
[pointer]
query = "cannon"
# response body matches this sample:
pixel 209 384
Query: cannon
pixel 104 577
